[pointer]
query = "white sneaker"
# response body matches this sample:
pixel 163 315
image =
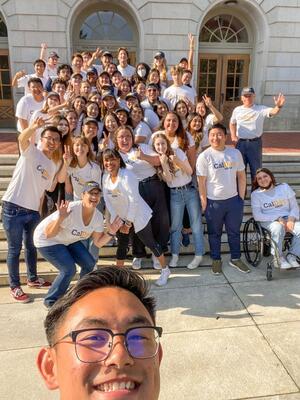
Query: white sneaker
pixel 196 261
pixel 292 260
pixel 136 263
pixel 174 260
pixel 284 264
pixel 155 262
pixel 164 276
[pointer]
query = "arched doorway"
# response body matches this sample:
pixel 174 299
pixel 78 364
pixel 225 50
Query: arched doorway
pixel 6 100
pixel 106 26
pixel 224 57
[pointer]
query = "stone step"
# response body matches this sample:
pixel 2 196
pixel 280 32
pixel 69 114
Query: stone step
pixel 8 159
pixel 48 272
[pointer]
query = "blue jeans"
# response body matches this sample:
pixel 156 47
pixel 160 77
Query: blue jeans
pixel 65 258
pixel 19 224
pixel 179 199
pixel 230 213
pixel 252 154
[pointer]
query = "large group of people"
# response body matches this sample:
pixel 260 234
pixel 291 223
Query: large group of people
pixel 113 152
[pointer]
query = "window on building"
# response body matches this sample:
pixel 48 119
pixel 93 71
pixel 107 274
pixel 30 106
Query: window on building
pixel 224 29
pixel 106 26
pixel 3 29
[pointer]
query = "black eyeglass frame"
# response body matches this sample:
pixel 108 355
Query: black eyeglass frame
pixel 73 335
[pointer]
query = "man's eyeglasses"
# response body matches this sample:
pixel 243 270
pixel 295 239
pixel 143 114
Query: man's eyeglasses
pixel 93 345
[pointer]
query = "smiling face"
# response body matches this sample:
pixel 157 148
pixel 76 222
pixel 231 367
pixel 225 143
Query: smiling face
pixel 63 127
pixel 91 199
pixel 217 139
pixel 182 110
pixel 248 100
pixel 92 110
pixel 53 101
pixel 110 123
pixel 196 124
pixel 79 105
pixel 264 180
pixel 124 140
pixel 72 119
pixel 111 165
pixel 136 114
pixel 200 108
pixel 39 68
pixel 119 376
pixel 80 149
pixel 160 145
pixel 171 124
pixel 122 115
pixel 50 141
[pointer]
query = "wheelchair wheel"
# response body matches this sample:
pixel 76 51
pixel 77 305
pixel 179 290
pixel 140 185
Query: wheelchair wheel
pixel 253 242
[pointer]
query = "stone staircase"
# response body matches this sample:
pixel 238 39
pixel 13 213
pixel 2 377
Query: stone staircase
pixel 286 168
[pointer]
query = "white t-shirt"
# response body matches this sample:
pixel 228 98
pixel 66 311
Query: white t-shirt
pixel 79 176
pixel 250 120
pixel 141 169
pixel 220 169
pixel 26 107
pixel 51 72
pixel 23 82
pixel 126 72
pixel 143 129
pixel 151 118
pixel 33 175
pixel 269 205
pixel 176 93
pixel 208 123
pixel 72 229
pixel 123 199
pixel 180 178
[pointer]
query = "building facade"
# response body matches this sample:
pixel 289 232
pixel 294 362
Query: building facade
pixel 237 42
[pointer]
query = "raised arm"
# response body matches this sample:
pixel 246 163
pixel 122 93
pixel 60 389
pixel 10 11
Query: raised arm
pixel 27 133
pixel 53 227
pixel 191 51
pixel 279 103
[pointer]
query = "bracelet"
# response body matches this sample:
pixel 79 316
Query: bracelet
pixel 279 106
pixel 110 234
pixel 128 223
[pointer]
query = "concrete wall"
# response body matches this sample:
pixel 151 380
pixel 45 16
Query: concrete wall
pixel 164 25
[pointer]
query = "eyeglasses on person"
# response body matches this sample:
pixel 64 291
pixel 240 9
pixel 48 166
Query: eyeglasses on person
pixel 93 345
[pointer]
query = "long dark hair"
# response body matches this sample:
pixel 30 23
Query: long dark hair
pixel 180 133
pixel 111 153
pixel 255 184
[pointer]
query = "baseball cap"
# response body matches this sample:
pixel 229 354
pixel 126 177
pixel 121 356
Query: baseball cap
pixel 107 53
pixel 92 70
pixel 248 90
pixel 159 54
pixel 129 95
pixel 107 93
pixel 90 119
pixel 90 186
pixel 53 54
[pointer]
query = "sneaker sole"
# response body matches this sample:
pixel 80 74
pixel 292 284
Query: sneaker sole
pixel 234 266
pixel 21 301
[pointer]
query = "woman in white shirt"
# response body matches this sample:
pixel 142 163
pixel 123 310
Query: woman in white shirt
pixel 276 208
pixel 142 131
pixel 122 199
pixel 59 238
pixel 177 172
pixel 141 160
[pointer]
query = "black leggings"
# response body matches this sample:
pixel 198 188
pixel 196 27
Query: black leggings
pixel 145 236
pixel 152 191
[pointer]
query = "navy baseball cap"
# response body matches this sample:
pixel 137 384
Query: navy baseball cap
pixel 247 90
pixel 91 185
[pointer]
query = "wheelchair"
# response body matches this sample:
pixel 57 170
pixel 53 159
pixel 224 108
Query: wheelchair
pixel 257 243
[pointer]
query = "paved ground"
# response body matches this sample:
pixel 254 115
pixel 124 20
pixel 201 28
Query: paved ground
pixel 273 142
pixel 232 336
